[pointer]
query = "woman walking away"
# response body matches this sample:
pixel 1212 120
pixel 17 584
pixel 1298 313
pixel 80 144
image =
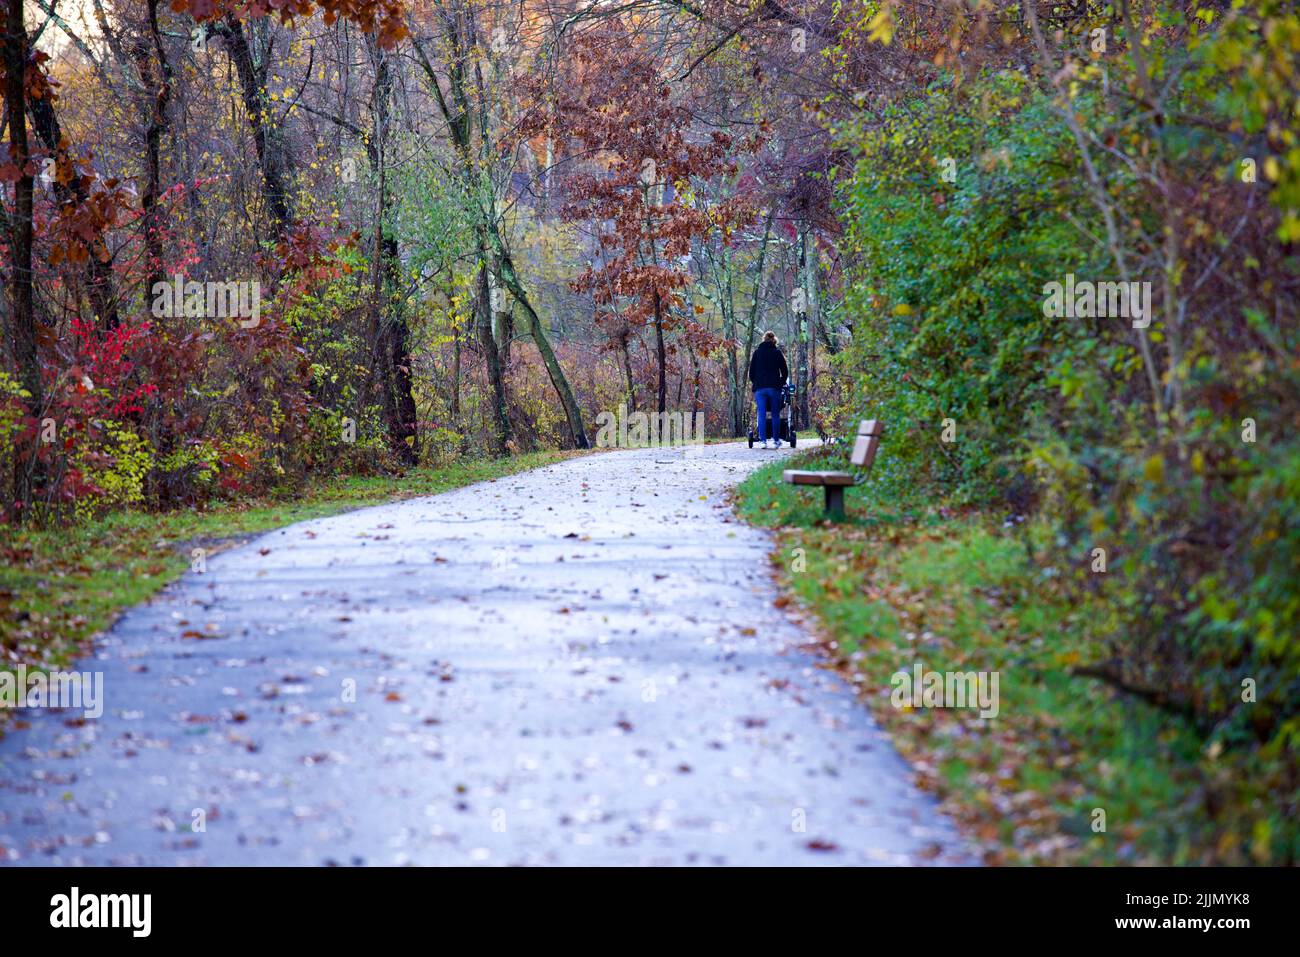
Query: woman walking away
pixel 767 374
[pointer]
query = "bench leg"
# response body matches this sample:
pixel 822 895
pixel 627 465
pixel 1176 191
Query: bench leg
pixel 835 501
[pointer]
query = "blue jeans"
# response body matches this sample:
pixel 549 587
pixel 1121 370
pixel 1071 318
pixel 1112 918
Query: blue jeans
pixel 768 400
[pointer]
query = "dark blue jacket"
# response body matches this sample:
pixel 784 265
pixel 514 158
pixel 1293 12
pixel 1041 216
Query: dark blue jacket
pixel 767 368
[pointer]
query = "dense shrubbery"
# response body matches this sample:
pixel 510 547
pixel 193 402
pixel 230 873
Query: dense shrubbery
pixel 1175 448
pixel 943 276
pixel 161 414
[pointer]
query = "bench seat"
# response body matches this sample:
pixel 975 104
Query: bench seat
pixel 796 477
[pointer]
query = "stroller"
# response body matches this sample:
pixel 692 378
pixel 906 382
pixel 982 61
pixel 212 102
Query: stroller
pixel 784 432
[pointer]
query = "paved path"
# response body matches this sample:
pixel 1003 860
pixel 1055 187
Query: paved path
pixel 577 665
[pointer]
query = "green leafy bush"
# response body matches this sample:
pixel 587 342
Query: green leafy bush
pixel 1174 451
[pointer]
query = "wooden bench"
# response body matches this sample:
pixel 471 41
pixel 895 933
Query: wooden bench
pixel 864 453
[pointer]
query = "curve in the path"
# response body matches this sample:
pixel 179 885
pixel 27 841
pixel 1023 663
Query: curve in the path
pixel 580 664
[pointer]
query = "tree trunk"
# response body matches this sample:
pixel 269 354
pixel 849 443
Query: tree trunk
pixel 509 276
pixel 808 266
pixel 460 126
pixel 457 424
pixel 742 397
pixel 558 379
pixel 727 304
pixel 696 402
pixel 455 378
pixel 394 356
pixel 21 308
pixel 99 274
pixel 158 85
pixel 392 344
pixel 503 323
pixel 627 371
pixel 661 355
pixel 681 383
pixel 488 342
pixel 735 397
pixel 271 154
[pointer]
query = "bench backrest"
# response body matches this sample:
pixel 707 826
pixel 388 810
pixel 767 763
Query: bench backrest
pixel 864 448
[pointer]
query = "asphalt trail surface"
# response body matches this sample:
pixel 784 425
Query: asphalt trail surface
pixel 580 664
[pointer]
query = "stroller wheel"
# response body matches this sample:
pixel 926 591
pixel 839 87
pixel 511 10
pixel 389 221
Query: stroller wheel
pixel 793 437
pixel 751 438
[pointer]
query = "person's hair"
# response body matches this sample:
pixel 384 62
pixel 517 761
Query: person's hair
pixel 769 336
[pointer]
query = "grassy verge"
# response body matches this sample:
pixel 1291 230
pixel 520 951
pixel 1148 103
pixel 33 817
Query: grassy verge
pixel 60 586
pixel 914 583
